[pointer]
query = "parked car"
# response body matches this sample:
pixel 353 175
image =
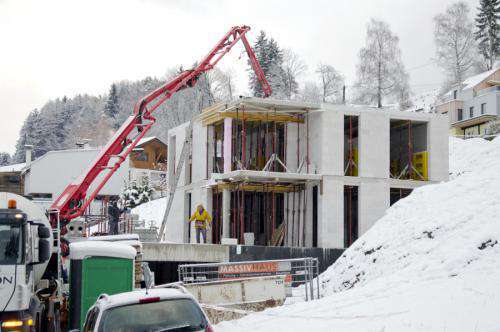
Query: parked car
pixel 157 309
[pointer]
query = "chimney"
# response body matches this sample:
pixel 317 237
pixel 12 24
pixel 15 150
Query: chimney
pixel 29 153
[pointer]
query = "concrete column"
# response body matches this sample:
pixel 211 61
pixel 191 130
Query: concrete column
pixel 438 145
pixel 309 209
pixel 199 152
pixel 226 212
pixel 374 147
pixel 228 126
pixel 331 214
pixel 172 148
pixel 332 145
pixel 373 201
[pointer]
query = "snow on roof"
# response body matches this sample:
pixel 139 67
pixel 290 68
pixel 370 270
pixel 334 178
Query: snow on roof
pixel 80 250
pixel 145 140
pixel 134 296
pixel 129 239
pixel 476 79
pixel 12 168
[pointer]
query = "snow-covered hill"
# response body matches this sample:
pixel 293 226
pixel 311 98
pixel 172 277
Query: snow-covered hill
pixel 432 263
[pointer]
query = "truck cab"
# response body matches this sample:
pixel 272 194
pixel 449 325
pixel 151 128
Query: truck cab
pixel 25 248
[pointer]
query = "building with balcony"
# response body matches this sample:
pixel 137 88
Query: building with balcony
pixel 284 173
pixel 471 105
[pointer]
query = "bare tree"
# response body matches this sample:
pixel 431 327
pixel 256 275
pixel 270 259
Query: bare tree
pixel 311 93
pixel 380 71
pixel 454 39
pixel 220 84
pixel 293 67
pixel 331 83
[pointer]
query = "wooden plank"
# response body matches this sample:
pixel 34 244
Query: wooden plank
pixel 277 188
pixel 217 117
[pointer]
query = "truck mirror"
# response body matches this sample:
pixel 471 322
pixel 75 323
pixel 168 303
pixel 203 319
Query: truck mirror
pixel 43 232
pixel 44 251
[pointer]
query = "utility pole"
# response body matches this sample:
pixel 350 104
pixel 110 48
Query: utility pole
pixel 343 94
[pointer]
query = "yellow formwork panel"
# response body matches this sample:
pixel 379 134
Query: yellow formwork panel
pixel 355 157
pixel 421 164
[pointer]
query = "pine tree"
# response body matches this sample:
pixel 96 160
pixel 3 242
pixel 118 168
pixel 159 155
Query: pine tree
pixel 487 30
pixel 135 194
pixel 4 159
pixel 270 58
pixel 111 107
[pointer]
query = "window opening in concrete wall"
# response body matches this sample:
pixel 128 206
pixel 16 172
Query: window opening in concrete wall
pixel 398 193
pixel 258 213
pixel 218 148
pixel 351 152
pixel 216 215
pixel 315 216
pixel 255 143
pixel 408 150
pixel 350 215
pixel 262 213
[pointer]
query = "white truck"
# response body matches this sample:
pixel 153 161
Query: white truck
pixel 27 303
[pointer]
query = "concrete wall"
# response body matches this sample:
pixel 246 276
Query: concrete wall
pixel 331 213
pixel 374 145
pixel 373 201
pixel 438 146
pixel 326 156
pixel 52 172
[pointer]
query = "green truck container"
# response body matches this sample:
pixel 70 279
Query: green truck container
pixel 97 267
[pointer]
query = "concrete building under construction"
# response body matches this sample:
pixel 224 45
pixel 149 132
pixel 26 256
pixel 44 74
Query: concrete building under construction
pixel 285 173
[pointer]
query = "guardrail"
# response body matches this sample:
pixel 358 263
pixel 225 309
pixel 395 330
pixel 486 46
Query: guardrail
pixel 298 272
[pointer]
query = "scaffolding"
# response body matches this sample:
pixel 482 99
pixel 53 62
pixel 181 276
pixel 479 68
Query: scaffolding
pixel 411 162
pixel 268 195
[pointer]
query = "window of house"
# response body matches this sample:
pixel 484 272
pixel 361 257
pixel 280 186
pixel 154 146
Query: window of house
pixel 141 156
pixel 483 108
pixel 460 114
pixel 471 111
pixel 455 94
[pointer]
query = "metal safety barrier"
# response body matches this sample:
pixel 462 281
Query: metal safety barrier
pixel 303 272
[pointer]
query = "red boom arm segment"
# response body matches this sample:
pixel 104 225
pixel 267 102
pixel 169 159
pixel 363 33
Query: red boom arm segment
pixel 74 200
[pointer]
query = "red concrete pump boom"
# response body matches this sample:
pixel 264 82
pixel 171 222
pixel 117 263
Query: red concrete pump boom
pixel 74 199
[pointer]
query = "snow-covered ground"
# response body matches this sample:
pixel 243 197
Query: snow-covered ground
pixel 152 212
pixel 432 263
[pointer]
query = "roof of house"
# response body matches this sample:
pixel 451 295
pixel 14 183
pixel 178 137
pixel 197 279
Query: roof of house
pixel 145 140
pixel 12 168
pixel 476 79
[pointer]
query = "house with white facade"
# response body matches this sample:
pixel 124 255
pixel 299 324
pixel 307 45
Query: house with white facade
pixel 46 177
pixel 472 104
pixel 286 173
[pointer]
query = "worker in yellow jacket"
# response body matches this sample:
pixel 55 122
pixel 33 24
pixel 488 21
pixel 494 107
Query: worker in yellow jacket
pixel 202 220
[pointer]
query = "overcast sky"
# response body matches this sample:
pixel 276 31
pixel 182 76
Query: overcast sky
pixel 56 48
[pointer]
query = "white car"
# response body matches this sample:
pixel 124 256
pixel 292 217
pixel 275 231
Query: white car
pixel 158 309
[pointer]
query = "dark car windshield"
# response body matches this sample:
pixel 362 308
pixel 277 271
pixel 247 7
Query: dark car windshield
pixel 166 315
pixel 11 244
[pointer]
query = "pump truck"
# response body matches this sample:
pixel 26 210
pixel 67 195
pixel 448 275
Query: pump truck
pixel 30 303
pixel 25 249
